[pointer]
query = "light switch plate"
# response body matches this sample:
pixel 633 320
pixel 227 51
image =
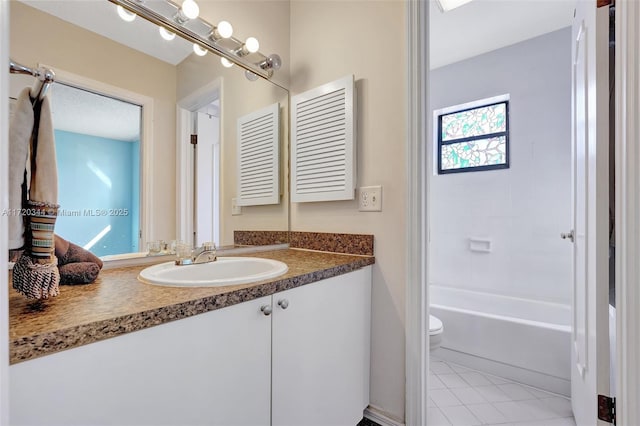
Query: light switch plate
pixel 236 210
pixel 370 199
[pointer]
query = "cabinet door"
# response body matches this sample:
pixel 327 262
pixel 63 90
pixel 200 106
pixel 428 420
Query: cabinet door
pixel 209 369
pixel 320 352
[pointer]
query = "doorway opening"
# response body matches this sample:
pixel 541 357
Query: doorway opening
pixel 497 259
pixel 500 277
pixel 199 166
pixel 207 174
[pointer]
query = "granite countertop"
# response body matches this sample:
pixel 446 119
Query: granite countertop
pixel 118 303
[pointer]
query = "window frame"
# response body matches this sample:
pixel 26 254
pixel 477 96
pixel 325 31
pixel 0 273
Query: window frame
pixel 476 105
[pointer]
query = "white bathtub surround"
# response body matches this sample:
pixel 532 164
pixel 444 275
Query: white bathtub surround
pixel 460 396
pixel 499 231
pixel 524 340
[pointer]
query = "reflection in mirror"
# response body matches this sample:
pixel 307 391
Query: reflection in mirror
pixel 199 84
pixel 178 198
pixel 99 167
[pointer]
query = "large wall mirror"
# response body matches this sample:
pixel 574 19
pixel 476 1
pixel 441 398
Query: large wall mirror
pixel 125 104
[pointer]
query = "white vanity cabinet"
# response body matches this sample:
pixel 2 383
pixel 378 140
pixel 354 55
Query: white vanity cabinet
pixel 298 357
pixel 208 369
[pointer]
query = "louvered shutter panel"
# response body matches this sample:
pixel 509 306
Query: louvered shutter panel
pixel 258 157
pixel 323 148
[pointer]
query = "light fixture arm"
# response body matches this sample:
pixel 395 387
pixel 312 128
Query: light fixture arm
pixel 174 25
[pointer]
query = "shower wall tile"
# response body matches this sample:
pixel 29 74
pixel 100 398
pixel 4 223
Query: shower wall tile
pixel 523 209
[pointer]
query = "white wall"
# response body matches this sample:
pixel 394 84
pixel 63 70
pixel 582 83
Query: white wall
pixel 329 40
pixel 523 209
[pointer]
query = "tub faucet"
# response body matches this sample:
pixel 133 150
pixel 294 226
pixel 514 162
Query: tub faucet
pixel 204 254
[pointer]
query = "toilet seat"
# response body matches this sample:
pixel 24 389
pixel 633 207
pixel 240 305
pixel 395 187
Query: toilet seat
pixel 435 325
pixel 435 332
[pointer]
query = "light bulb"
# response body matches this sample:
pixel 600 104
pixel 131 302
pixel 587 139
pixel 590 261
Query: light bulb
pixel 190 9
pixel 199 50
pixel 274 61
pixel 226 63
pixel 252 45
pixel 166 34
pixel 125 14
pixel 251 76
pixel 224 29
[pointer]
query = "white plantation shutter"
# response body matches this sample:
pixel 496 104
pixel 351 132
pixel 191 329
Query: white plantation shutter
pixel 258 157
pixel 323 148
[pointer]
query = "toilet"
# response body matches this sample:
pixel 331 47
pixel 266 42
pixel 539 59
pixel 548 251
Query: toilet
pixel 435 333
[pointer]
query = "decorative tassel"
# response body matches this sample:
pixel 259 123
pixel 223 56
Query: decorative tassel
pixel 35 274
pixel 36 280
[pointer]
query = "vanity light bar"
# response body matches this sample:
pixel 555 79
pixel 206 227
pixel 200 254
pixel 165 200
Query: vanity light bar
pixel 138 7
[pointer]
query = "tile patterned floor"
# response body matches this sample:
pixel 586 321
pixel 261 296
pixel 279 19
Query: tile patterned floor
pixel 459 396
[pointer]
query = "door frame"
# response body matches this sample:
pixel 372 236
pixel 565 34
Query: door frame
pixel 4 204
pixel 627 212
pixel 627 101
pixel 418 178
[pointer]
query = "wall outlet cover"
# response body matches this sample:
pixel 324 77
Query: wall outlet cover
pixel 370 199
pixel 236 210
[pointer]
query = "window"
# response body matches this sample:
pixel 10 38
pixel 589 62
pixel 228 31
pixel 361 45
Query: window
pixel 473 139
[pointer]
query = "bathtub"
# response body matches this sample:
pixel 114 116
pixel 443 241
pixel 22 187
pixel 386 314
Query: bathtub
pixel 523 340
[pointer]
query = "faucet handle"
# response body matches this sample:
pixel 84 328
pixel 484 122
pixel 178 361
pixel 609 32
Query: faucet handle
pixel 208 246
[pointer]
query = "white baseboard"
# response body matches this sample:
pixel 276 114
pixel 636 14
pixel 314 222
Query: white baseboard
pixel 527 377
pixel 382 418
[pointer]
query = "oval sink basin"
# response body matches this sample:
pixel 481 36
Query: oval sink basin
pixel 224 271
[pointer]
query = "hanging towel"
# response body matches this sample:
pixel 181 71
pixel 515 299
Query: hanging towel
pixel 42 206
pixel 20 131
pixel 35 274
pixel 44 170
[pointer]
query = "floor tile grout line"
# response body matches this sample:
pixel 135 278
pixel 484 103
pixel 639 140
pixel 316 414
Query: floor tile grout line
pixel 534 394
pixel 448 363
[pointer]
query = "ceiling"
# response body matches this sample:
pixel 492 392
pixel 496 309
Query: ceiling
pixel 99 114
pixel 472 29
pixel 485 25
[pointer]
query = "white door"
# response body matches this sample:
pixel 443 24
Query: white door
pixel 207 179
pixel 590 103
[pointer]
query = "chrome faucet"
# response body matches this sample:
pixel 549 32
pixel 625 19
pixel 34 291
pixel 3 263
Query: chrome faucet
pixel 204 254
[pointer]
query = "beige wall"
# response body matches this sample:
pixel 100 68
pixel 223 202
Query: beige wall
pixel 267 20
pixel 329 40
pixel 324 40
pixel 70 48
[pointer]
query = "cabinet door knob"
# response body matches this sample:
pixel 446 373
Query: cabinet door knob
pixel 283 303
pixel 266 309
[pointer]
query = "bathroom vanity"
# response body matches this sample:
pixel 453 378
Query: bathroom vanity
pixel 290 350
